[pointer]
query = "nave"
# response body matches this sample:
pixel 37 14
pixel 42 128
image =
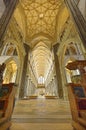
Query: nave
pixel 38 39
pixel 41 114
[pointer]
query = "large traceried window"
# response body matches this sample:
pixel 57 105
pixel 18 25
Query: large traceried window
pixel 41 80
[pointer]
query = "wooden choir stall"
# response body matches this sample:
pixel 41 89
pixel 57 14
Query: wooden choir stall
pixel 7 99
pixel 77 95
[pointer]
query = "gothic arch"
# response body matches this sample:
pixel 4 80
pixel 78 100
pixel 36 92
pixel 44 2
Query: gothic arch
pixel 61 55
pixel 10 73
pixel 19 46
pixel 21 54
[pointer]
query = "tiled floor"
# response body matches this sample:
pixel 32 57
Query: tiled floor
pixel 41 114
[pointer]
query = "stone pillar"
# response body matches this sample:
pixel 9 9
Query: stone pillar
pixel 29 88
pixel 24 72
pixel 26 86
pixel 55 86
pixel 4 21
pixel 78 19
pixel 58 73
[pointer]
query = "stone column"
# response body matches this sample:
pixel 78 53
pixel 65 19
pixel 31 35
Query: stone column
pixel 26 86
pixel 4 21
pixel 58 73
pixel 29 88
pixel 55 84
pixel 24 72
pixel 78 19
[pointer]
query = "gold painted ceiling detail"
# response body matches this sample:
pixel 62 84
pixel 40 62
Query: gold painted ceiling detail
pixel 41 16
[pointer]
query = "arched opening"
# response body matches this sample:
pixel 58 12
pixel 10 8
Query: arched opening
pixel 73 52
pixel 9 56
pixel 10 72
pixel 41 80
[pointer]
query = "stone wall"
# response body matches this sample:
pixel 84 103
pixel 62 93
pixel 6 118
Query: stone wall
pixel 82 7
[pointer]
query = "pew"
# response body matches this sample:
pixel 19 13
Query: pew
pixel 6 105
pixel 77 99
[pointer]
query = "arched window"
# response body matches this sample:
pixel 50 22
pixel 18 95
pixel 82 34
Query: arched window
pixel 41 80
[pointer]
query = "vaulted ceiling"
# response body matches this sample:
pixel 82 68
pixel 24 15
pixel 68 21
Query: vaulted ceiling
pixel 43 59
pixel 41 23
pixel 41 16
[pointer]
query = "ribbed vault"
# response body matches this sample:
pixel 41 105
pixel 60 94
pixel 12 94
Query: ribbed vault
pixel 41 16
pixel 42 59
pixel 41 23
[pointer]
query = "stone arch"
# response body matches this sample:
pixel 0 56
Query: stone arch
pixel 61 55
pixel 19 46
pixel 21 53
pixel 10 70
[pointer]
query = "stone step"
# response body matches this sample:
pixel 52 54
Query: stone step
pixel 41 120
pixel 41 111
pixel 41 126
pixel 42 116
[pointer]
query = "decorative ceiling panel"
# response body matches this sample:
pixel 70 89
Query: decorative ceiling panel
pixel 41 16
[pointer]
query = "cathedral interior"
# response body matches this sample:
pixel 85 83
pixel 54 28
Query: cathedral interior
pixel 38 38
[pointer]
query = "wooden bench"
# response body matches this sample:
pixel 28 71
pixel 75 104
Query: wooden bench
pixel 77 99
pixel 6 106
